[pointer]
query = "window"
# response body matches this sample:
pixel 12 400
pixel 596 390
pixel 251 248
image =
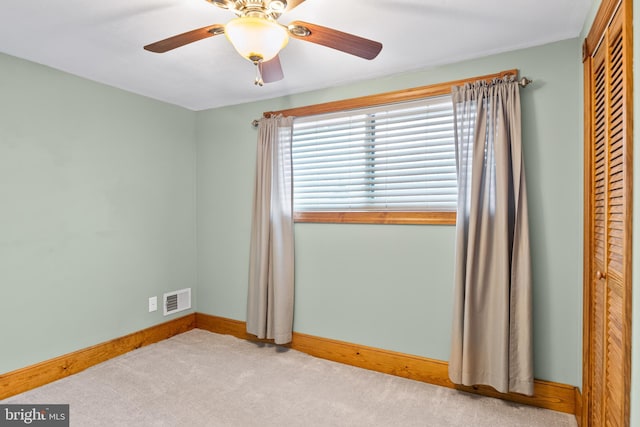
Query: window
pixel 398 157
pixel 386 158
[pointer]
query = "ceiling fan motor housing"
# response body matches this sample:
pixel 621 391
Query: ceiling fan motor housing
pixel 266 8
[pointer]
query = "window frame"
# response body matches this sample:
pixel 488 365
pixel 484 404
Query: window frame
pixel 382 217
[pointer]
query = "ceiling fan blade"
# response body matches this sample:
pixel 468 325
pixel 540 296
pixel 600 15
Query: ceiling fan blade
pixel 171 43
pixel 271 70
pixel 345 42
pixel 292 4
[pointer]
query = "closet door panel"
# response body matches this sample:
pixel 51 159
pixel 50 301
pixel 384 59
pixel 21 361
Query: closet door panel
pixel 608 74
pixel 598 233
pixel 617 226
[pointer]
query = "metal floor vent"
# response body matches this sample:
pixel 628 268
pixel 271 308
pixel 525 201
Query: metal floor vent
pixel 177 301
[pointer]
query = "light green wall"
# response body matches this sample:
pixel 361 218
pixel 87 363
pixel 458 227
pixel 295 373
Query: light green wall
pixel 97 196
pixel 99 213
pixel 390 286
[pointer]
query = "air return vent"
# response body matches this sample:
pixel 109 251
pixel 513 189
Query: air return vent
pixel 177 301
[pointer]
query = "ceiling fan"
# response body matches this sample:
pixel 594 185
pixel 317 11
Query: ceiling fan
pixel 256 35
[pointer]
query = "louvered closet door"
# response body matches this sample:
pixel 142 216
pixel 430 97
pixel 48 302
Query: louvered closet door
pixel 599 236
pixel 608 277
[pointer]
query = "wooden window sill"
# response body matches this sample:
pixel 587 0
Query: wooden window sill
pixel 447 218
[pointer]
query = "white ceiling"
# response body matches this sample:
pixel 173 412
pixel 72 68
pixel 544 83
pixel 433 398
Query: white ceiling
pixel 103 40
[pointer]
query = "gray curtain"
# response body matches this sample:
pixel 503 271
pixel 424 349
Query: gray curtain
pixel 492 328
pixel 270 296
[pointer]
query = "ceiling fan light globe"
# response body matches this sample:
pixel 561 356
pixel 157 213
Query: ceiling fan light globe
pixel 255 37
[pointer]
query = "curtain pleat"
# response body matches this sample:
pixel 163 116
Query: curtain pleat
pixel 492 325
pixel 271 264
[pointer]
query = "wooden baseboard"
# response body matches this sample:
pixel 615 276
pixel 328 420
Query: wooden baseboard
pixel 42 373
pixel 548 395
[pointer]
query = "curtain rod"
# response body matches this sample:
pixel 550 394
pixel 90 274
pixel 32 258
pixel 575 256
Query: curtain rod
pixel 523 82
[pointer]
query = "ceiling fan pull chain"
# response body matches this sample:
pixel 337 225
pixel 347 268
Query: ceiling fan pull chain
pixel 259 81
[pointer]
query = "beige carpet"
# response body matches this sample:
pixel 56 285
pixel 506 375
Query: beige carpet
pixel 203 379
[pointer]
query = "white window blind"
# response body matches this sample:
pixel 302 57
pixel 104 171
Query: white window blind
pixel 398 157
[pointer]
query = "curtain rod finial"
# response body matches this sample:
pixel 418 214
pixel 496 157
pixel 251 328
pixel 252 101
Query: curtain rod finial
pixel 524 82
